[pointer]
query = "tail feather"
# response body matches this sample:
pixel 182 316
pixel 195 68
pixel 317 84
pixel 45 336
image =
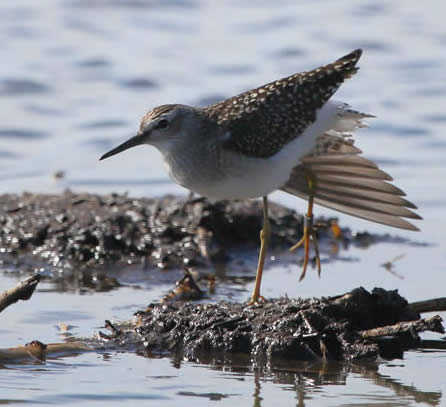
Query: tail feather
pixel 371 204
pixel 339 159
pixel 376 196
pixel 348 180
pixel 372 173
pixel 377 217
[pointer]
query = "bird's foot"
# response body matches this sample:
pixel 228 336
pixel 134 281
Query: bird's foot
pixel 256 299
pixel 308 236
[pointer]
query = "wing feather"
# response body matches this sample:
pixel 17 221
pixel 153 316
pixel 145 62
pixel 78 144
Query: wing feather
pixel 351 184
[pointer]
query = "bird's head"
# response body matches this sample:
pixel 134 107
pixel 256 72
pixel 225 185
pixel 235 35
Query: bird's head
pixel 160 127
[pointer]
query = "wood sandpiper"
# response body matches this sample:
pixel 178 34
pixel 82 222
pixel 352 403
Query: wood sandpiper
pixel 285 135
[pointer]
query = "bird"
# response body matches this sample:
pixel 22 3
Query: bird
pixel 287 135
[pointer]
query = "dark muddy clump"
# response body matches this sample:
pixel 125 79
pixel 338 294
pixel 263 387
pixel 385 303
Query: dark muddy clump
pixel 84 230
pixel 337 328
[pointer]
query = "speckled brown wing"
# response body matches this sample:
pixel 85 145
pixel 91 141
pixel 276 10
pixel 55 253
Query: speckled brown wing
pixel 261 121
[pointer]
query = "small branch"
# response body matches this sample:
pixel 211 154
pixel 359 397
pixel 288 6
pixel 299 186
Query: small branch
pixel 434 305
pixel 22 291
pixel 38 351
pixel 115 331
pixel 426 324
pixel 432 344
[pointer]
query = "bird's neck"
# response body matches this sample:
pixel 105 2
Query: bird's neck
pixel 191 160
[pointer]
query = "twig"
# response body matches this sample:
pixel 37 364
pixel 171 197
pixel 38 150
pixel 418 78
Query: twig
pixel 115 331
pixel 433 305
pixel 426 324
pixel 22 291
pixel 38 351
pixel 432 344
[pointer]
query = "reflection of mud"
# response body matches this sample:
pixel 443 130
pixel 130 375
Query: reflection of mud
pixel 403 391
pixel 67 232
pixel 307 378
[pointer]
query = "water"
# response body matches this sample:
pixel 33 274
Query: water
pixel 75 78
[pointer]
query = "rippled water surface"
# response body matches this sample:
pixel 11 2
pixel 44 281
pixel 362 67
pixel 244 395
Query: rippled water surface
pixel 76 76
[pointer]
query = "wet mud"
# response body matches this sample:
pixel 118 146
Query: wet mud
pixel 337 328
pixel 86 231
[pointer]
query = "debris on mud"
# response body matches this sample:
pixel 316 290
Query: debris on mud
pixel 186 289
pixel 337 328
pixel 82 231
pixel 355 326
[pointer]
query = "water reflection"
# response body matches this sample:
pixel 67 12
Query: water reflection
pixel 102 125
pixel 21 134
pixel 238 378
pixel 21 87
pixel 306 380
pixel 138 84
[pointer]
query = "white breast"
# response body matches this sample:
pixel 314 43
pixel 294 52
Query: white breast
pixel 249 177
pixel 241 177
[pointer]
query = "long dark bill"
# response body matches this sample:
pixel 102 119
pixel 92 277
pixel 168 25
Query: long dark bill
pixel 132 142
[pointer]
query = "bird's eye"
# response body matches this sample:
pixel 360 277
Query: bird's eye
pixel 162 124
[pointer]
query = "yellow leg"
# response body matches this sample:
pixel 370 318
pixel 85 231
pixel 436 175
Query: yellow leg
pixel 265 235
pixel 309 234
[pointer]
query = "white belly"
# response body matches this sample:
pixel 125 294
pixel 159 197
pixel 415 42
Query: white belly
pixel 241 177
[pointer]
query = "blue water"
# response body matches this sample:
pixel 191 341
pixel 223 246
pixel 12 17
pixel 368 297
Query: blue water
pixel 75 78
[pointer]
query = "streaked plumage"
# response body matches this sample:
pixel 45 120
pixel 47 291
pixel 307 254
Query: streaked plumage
pixel 288 135
pixel 263 120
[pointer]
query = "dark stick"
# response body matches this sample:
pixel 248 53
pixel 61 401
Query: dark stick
pixel 428 324
pixel 22 291
pixel 433 305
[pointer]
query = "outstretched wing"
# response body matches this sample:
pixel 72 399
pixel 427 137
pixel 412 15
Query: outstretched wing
pixel 347 182
pixel 261 121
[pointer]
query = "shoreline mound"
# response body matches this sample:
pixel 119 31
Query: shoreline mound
pixel 355 326
pixel 75 230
